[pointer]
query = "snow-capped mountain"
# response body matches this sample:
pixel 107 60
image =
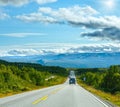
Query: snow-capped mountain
pixel 67 56
pixel 70 60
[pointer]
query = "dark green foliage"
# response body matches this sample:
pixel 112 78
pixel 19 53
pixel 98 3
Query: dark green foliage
pixel 26 76
pixel 111 81
pixel 83 70
pixel 93 79
pixel 107 79
pixel 51 69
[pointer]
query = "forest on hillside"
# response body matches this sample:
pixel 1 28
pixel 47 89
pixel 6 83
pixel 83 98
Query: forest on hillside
pixel 16 77
pixel 105 79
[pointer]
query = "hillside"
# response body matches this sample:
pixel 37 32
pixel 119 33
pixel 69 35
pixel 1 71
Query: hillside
pixel 18 77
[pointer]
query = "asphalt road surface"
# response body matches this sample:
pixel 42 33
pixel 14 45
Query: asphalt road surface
pixel 64 95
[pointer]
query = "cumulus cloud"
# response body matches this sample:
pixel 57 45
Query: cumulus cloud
pixel 23 52
pixel 74 11
pixel 75 15
pixel 45 49
pixel 23 2
pixel 97 22
pixel 61 15
pixel 37 17
pixel 111 33
pixel 105 27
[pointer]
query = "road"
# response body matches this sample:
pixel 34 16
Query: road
pixel 63 95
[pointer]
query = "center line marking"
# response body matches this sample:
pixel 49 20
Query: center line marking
pixel 46 97
pixel 55 91
pixel 41 99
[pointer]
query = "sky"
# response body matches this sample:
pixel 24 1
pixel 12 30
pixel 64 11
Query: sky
pixel 31 23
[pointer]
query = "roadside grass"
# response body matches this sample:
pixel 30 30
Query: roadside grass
pixel 51 82
pixel 115 99
pixel 11 92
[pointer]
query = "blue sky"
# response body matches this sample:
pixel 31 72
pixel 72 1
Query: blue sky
pixel 25 22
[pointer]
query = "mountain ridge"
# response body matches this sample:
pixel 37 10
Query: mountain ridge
pixel 83 60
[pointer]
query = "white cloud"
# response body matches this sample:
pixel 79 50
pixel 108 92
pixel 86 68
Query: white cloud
pixel 23 2
pixel 13 2
pixel 45 1
pixel 76 15
pixel 47 14
pixel 45 49
pixel 74 11
pixel 86 17
pixel 22 34
pixel 37 17
pixel 3 16
pixel 22 52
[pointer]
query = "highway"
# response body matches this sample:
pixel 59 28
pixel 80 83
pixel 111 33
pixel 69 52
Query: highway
pixel 63 95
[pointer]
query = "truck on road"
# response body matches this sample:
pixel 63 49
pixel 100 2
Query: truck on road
pixel 72 78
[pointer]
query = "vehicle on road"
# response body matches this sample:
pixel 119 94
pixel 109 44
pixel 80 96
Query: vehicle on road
pixel 72 80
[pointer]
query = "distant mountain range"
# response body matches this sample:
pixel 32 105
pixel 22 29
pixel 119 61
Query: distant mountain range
pixel 79 60
pixel 65 55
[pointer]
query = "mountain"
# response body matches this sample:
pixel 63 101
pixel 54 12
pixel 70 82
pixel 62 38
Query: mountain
pixel 82 60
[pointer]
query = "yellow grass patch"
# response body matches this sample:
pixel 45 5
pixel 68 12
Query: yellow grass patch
pixel 115 99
